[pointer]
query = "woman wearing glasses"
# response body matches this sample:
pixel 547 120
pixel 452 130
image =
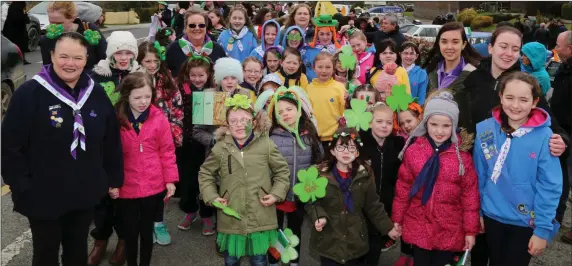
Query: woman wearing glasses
pixel 194 40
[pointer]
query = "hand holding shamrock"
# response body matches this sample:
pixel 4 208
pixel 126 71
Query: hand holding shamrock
pixel 320 223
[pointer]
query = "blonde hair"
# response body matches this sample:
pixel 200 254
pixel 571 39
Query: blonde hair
pixel 358 35
pixel 253 60
pixel 381 107
pixel 323 55
pixel 291 22
pixel 66 8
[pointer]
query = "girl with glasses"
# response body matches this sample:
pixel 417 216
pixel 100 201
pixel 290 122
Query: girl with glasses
pixel 252 69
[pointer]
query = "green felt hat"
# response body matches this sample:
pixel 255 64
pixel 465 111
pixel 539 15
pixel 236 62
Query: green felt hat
pixel 325 20
pixel 163 3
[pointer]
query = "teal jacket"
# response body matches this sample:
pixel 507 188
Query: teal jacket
pixel 536 52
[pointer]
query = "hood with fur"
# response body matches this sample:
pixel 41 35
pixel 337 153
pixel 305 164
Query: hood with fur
pixel 262 127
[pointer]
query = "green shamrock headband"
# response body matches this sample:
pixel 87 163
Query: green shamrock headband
pixel 351 135
pixel 167 31
pixel 357 117
pixel 161 50
pixel 294 36
pixel 53 31
pixel 399 99
pixel 325 20
pixel 284 93
pixel 238 101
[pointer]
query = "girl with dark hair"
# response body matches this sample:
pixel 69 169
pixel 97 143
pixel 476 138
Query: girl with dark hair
pixel 165 36
pixel 217 24
pixel 520 197
pixel 149 165
pixel 271 59
pixel 451 59
pixel 53 184
pixel 387 52
pixel 264 14
pixel 341 236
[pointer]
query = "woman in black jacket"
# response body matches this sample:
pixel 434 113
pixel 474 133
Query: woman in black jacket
pixel 480 89
pixel 15 26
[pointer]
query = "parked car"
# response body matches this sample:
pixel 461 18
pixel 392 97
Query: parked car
pixel 381 11
pixel 34 33
pixel 87 12
pixel 425 32
pixel 13 74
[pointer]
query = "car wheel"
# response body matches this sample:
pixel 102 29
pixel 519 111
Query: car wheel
pixel 6 97
pixel 33 38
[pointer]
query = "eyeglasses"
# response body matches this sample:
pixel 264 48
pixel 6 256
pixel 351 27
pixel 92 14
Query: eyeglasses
pixel 202 26
pixel 350 148
pixel 242 121
pixel 253 72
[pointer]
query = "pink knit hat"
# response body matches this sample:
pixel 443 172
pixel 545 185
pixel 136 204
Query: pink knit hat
pixel 386 79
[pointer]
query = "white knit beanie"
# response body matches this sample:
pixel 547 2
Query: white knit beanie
pixel 228 66
pixel 118 41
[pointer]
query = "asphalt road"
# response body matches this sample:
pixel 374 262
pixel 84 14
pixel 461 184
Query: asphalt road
pixel 190 247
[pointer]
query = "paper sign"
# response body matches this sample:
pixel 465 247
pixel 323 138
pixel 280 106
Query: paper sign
pixel 208 108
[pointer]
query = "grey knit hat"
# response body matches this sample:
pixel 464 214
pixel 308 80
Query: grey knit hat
pixel 441 104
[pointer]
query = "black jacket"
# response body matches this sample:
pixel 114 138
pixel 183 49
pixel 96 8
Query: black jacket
pixel 166 16
pixel 542 36
pixel 384 163
pixel 46 181
pixel 482 95
pixel 15 25
pixel 95 53
pixel 176 57
pixel 562 97
pixel 377 37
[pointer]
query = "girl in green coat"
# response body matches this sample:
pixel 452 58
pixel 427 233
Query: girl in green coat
pixel 341 236
pixel 253 177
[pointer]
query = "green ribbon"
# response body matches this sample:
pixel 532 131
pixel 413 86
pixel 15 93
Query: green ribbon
pixel 161 50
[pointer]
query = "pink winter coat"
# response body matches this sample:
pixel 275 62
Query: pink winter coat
pixel 452 211
pixel 148 158
pixel 365 66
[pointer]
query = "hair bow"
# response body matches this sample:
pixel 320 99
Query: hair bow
pixel 161 51
pixel 238 101
pixel 92 36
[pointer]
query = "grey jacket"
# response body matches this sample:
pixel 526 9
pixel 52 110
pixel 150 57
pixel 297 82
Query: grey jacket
pixel 296 157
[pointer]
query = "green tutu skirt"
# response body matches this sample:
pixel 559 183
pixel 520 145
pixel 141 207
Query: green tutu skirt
pixel 250 245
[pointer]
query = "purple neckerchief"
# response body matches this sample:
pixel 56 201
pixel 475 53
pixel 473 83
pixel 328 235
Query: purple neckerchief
pixel 64 96
pixel 444 79
pixel 207 39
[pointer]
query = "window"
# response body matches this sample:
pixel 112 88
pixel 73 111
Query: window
pixel 431 32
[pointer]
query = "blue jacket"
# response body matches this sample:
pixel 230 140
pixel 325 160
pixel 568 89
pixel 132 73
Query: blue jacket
pixel 249 43
pixel 530 179
pixel 303 48
pixel 285 35
pixel 418 80
pixel 536 52
pixel 258 52
pixel 296 157
pixel 308 58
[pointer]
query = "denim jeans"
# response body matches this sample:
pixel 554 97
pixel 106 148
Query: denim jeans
pixel 258 260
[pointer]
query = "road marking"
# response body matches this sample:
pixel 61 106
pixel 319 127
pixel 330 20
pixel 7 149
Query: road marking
pixel 39 62
pixel 5 190
pixel 12 250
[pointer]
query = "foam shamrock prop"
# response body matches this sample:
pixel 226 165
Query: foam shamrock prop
pixel 282 93
pixel 325 20
pixel 238 101
pixel 54 30
pixel 162 52
pixel 351 88
pixel 399 99
pixel 347 58
pixel 357 117
pixel 110 90
pixel 92 36
pixel 284 248
pixel 311 186
pixel 226 210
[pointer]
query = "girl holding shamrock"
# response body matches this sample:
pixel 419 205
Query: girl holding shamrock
pixel 344 72
pixel 339 218
pixel 436 204
pixel 240 39
pixel 151 57
pixel 328 95
pixel 253 176
pixel 358 41
pixel 296 137
pixel 386 53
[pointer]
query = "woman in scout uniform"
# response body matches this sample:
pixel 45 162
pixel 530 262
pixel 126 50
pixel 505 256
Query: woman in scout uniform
pixel 63 18
pixel 120 61
pixel 253 177
pixel 192 42
pixel 53 184
pixel 324 39
pixel 239 40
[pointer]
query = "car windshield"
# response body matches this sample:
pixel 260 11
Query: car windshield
pixel 41 8
pixel 412 30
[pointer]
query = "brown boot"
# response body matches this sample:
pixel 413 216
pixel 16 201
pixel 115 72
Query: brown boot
pixel 96 254
pixel 567 238
pixel 118 257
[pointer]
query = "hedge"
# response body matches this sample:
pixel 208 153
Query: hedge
pixel 500 17
pixel 145 13
pixel 567 11
pixel 481 22
pixel 466 16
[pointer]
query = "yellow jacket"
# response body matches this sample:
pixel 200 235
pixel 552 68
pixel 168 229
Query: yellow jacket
pixel 328 101
pixel 303 80
pixel 400 73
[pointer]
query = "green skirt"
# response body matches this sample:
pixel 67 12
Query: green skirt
pixel 250 245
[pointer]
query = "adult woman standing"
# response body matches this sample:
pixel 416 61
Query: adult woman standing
pixel 56 186
pixel 193 41
pixel 63 18
pixel 16 32
pixel 480 95
pixel 301 16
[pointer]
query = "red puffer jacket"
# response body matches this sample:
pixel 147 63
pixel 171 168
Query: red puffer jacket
pixel 452 211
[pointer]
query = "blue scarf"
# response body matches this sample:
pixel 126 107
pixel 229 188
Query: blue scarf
pixel 345 184
pixel 137 122
pixel 245 143
pixel 428 175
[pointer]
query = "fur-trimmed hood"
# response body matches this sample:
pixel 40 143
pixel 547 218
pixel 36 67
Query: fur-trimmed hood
pixel 262 127
pixel 466 140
